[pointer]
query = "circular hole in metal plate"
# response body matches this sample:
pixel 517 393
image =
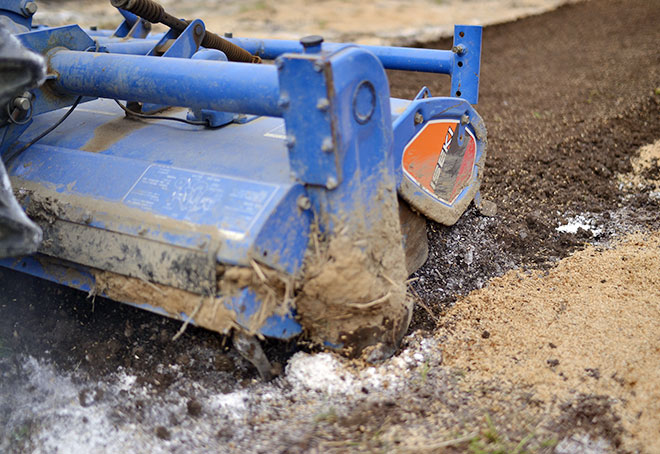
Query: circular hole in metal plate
pixel 364 102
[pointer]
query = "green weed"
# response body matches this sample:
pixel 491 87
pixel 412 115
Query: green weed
pixel 329 416
pixel 424 372
pixel 491 441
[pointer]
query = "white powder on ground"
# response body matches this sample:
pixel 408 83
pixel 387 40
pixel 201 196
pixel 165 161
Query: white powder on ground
pixel 579 222
pixel 319 372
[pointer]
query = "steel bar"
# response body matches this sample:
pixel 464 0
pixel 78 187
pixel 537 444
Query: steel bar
pixel 201 84
pixel 401 58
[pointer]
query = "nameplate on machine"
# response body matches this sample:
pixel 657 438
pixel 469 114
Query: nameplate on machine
pixel 232 204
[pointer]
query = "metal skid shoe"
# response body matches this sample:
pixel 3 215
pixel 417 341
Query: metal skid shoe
pixel 249 348
pixel 291 218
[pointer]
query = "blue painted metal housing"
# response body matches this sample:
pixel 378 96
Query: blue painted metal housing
pixel 314 138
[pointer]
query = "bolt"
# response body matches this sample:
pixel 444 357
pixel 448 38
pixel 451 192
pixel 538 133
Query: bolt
pixel 22 103
pixel 331 183
pixel 327 145
pixel 290 141
pixel 323 104
pixel 199 30
pixel 465 119
pixel 30 8
pixel 279 63
pixel 304 203
pixel 318 66
pixel 419 118
pixel 460 49
pixel 283 102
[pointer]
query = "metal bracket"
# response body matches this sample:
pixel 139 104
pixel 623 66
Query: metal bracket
pixel 468 124
pixel 132 26
pixel 310 138
pixel 213 117
pixel 177 44
pixel 467 62
pixel 71 37
pixel 19 13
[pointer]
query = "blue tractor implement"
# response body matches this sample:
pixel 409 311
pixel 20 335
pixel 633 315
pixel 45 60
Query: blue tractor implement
pixel 249 186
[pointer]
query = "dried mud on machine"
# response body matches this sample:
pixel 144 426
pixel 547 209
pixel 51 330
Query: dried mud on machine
pixel 267 188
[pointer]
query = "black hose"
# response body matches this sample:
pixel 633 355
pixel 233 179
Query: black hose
pixel 10 156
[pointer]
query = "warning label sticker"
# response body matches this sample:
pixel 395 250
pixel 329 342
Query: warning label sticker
pixel 231 204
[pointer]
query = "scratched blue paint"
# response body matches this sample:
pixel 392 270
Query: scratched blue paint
pixel 246 305
pixel 71 275
pixel 326 131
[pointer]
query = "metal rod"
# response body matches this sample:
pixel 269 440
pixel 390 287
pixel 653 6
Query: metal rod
pixel 201 84
pixel 401 58
pixel 127 46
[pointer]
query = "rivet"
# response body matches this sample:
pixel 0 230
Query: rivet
pixel 290 141
pixel 304 203
pixel 283 102
pixel 198 30
pixel 327 145
pixel 331 183
pixel 323 104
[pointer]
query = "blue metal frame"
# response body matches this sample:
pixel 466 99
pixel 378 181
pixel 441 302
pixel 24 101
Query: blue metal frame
pixel 199 84
pixel 462 62
pixel 132 26
pixel 324 146
pixel 18 11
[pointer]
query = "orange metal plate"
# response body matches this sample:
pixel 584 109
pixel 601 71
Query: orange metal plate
pixel 424 153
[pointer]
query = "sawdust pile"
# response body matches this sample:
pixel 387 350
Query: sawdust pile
pixel 591 326
pixel 646 169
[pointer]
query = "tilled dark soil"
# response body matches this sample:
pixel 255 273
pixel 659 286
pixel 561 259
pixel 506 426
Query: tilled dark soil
pixel 568 96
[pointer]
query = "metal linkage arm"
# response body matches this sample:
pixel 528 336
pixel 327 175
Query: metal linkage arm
pixel 153 12
pixel 198 84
